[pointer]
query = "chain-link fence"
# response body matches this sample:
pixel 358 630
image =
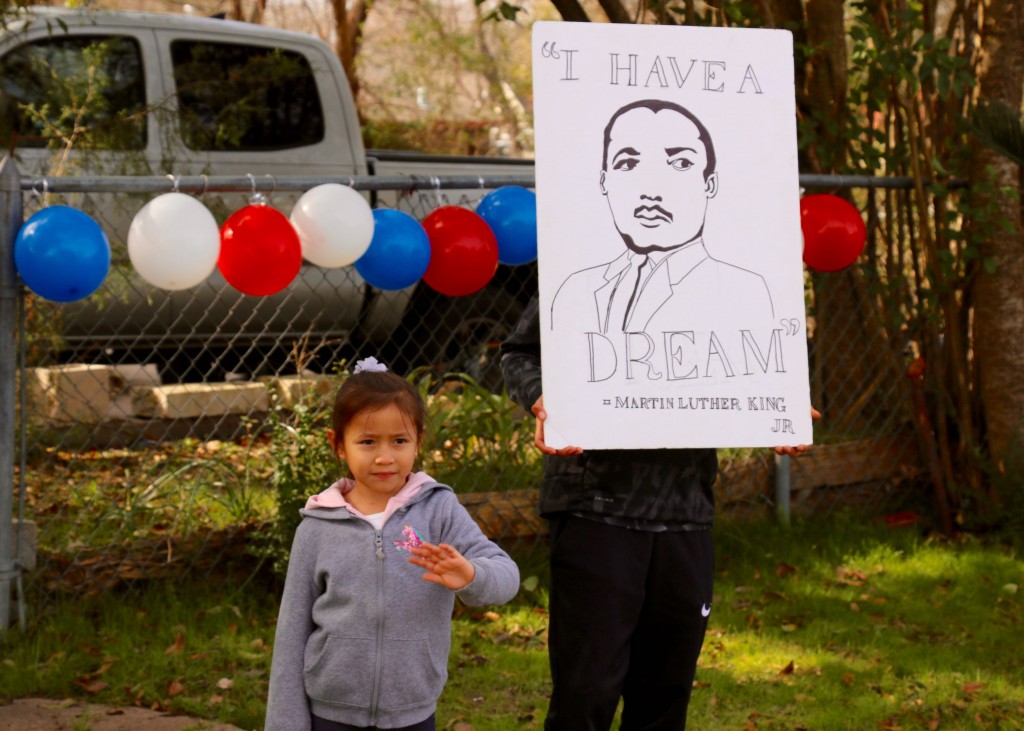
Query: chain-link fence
pixel 151 427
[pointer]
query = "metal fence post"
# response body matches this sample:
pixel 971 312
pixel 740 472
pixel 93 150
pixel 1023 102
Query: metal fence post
pixel 10 221
pixel 783 463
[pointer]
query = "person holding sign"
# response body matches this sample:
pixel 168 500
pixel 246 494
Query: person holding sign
pixel 631 566
pixel 658 173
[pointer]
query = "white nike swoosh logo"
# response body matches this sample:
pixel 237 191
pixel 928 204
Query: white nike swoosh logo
pixel 705 610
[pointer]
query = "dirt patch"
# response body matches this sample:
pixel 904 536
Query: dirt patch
pixel 47 714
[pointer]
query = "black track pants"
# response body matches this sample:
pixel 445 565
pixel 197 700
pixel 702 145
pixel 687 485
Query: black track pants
pixel 628 611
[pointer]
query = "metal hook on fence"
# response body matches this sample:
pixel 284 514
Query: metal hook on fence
pixel 480 180
pixel 436 182
pixel 35 187
pixel 273 184
pixel 206 184
pixel 255 198
pixel 174 182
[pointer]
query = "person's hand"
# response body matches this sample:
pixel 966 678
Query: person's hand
pixel 538 438
pixel 800 448
pixel 444 565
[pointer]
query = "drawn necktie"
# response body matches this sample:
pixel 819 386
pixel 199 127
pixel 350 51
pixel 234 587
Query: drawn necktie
pixel 635 293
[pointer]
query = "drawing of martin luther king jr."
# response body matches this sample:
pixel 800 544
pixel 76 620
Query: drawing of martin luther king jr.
pixel 658 174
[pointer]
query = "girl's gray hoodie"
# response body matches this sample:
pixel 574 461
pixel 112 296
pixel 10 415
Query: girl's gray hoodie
pixel 361 638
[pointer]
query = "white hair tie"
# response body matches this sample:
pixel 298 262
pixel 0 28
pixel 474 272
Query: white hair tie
pixel 369 365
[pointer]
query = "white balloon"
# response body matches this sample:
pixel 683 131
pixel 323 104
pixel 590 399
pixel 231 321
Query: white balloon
pixel 334 223
pixel 174 242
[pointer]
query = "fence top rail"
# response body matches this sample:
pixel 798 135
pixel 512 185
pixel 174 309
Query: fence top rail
pixel 199 184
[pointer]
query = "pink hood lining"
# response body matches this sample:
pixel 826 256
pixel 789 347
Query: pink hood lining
pixel 334 496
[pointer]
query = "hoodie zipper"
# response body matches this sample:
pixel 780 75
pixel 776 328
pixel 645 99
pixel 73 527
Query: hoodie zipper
pixel 379 665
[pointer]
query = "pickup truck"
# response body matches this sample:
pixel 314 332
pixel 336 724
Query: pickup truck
pixel 181 95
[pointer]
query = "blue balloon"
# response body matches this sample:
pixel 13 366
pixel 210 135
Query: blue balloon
pixel 399 251
pixel 62 254
pixel 511 212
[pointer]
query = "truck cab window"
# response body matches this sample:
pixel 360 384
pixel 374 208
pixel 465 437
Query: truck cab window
pixel 85 92
pixel 237 97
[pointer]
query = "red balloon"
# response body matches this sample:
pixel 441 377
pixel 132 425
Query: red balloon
pixel 834 232
pixel 260 252
pixel 463 251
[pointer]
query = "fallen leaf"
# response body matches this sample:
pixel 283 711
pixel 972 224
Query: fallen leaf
pixel 848 679
pixel 788 670
pixel 493 616
pixel 94 687
pixel 178 646
pixel 853 577
pixel 215 700
pixel 972 688
pixel 175 688
pixel 225 683
pixel 784 569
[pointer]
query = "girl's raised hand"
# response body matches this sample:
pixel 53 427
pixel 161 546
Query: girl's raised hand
pixel 444 565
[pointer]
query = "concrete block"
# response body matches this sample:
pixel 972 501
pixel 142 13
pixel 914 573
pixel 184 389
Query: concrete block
pixel 125 377
pixel 193 400
pixel 130 375
pixel 69 393
pixel 290 390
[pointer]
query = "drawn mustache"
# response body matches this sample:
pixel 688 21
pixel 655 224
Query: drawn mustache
pixel 656 209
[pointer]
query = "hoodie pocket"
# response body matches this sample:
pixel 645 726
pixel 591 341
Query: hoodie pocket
pixel 342 672
pixel 412 676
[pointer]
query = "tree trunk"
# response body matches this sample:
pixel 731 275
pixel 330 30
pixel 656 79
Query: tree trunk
pixel 348 21
pixel 998 297
pixel 570 10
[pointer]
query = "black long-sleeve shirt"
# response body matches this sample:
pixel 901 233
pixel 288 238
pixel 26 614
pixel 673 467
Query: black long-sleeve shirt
pixel 646 489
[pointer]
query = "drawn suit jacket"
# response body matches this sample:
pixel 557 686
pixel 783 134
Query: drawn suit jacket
pixel 687 288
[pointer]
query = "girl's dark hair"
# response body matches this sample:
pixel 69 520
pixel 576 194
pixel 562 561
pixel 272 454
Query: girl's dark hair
pixel 374 390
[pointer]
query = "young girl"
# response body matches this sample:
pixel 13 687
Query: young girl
pixel 363 636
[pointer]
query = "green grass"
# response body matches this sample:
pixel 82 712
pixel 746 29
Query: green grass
pixel 843 624
pixel 852 626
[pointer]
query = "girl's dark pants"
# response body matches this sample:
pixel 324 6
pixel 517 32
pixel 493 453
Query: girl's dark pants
pixel 628 612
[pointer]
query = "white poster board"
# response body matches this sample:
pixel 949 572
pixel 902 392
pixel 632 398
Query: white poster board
pixel 671 278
